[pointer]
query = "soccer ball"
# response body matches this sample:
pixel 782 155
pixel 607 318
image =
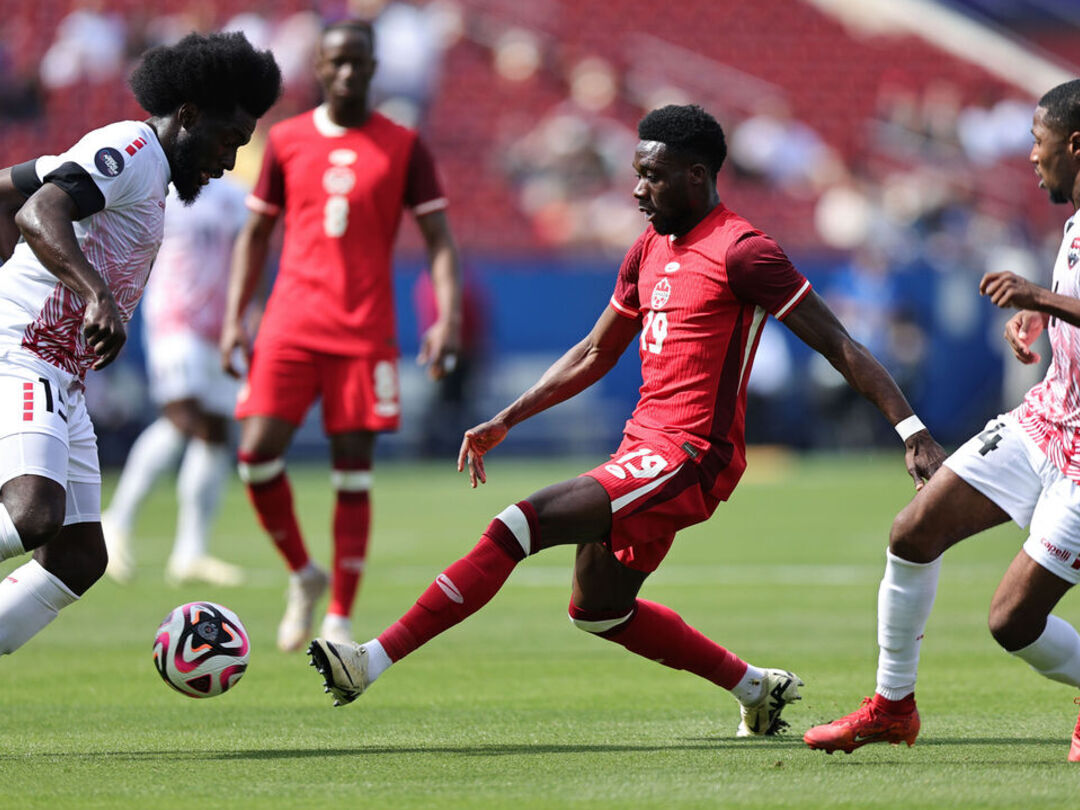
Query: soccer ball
pixel 201 649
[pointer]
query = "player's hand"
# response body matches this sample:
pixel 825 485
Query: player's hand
pixel 1021 330
pixel 234 338
pixel 1008 290
pixel 923 456
pixel 103 329
pixel 478 441
pixel 439 349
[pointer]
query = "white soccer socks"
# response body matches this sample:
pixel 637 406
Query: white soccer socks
pixel 905 599
pixel 1056 653
pixel 10 543
pixel 156 450
pixel 30 598
pixel 198 487
pixel 378 660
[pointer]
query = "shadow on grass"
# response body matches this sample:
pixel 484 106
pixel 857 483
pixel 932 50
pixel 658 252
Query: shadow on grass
pixel 496 750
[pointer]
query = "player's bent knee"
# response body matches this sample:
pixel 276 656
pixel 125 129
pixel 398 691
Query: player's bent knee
pixel 39 523
pixel 1010 629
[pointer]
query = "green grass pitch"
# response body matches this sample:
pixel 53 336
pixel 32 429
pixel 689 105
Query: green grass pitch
pixel 515 708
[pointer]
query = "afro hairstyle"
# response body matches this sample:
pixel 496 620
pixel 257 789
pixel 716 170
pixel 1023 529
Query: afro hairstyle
pixel 216 72
pixel 687 130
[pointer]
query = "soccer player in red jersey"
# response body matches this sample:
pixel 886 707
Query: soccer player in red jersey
pixel 1025 466
pixel 341 174
pixel 693 293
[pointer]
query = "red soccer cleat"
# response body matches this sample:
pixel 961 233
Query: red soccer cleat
pixel 1074 751
pixel 867 724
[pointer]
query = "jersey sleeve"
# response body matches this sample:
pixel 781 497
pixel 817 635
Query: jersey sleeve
pixel 625 299
pixel 423 190
pixel 101 171
pixel 268 196
pixel 760 272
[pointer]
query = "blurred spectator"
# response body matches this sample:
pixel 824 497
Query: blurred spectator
pixel 89 44
pixel 409 46
pixel 781 150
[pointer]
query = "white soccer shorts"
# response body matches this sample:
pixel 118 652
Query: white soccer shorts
pixel 45 430
pixel 184 365
pixel 1006 466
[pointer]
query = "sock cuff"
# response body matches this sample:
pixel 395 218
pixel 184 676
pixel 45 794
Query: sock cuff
pixel 516 530
pixel 254 469
pixel 353 481
pixel 45 586
pixel 892 558
pixel 10 543
pixel 599 621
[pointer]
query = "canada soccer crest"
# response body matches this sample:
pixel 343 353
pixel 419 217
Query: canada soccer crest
pixel 1074 252
pixel 661 293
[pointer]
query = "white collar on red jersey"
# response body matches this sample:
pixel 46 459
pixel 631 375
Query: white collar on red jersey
pixel 325 126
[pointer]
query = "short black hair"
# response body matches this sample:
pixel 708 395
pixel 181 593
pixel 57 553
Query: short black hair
pixel 686 129
pixel 352 24
pixel 217 72
pixel 1062 105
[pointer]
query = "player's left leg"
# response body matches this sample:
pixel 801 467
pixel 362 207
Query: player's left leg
pixel 1020 613
pixel 351 477
pixel 605 603
pixel 563 513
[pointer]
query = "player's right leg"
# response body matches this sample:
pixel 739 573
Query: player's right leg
pixel 282 384
pixel 50 502
pixel 573 510
pixel 944 512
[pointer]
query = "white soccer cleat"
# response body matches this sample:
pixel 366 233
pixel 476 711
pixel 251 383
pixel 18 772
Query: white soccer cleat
pixel 337 629
pixel 344 668
pixel 207 569
pixel 763 718
pixel 121 565
pixel 305 589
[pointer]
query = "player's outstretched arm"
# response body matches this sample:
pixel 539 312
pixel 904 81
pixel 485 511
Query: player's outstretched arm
pixel 815 324
pixel 572 373
pixel 248 260
pixel 46 221
pixel 441 343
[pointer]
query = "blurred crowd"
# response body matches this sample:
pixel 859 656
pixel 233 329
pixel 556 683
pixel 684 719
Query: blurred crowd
pixel 923 182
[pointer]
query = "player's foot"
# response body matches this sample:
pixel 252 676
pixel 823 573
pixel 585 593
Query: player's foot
pixel 343 667
pixel 305 588
pixel 206 569
pixel 1074 751
pixel 870 723
pixel 121 566
pixel 337 629
pixel 780 688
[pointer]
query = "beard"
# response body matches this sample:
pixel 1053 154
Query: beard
pixel 1058 197
pixel 185 170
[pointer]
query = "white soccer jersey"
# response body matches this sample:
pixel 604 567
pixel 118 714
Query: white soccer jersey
pixel 187 290
pixel 41 316
pixel 1050 413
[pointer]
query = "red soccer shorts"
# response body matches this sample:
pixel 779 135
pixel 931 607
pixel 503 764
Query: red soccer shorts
pixel 655 490
pixel 358 393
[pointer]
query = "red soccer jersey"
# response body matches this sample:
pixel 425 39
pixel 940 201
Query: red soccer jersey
pixel 342 191
pixel 702 300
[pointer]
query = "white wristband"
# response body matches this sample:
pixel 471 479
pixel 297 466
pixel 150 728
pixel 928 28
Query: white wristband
pixel 909 427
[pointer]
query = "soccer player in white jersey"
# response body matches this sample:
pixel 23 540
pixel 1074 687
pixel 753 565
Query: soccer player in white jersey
pixel 183 310
pixel 91 222
pixel 1024 466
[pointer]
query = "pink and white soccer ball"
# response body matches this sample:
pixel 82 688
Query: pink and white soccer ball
pixel 201 649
